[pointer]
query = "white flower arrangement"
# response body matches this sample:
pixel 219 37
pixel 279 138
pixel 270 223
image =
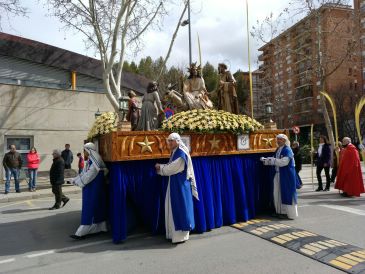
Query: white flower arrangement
pixel 105 123
pixel 210 121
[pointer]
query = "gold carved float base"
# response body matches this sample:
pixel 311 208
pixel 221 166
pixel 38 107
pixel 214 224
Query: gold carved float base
pixel 143 145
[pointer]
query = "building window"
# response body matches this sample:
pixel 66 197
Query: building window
pixel 23 145
pixel 350 71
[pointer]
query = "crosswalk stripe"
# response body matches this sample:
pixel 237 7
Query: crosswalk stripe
pixel 348 256
pixel 346 261
pixel 340 264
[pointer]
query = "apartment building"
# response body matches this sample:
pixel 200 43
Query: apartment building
pixel 291 64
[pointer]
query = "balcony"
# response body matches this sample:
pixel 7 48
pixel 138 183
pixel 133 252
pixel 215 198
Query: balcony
pixel 303 106
pixel 303 92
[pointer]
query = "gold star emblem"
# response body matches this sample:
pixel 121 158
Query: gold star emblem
pixel 214 143
pixel 145 145
pixel 268 141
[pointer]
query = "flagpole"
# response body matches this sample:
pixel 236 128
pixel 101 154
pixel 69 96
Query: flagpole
pixel 249 58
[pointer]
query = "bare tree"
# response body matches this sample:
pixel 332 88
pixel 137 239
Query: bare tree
pixel 325 28
pixel 113 28
pixel 9 8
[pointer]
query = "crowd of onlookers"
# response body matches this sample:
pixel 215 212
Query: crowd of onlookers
pixel 13 163
pixel 344 161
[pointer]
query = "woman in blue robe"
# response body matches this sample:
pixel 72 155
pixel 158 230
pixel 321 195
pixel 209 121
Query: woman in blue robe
pixel 286 180
pixel 91 180
pixel 179 210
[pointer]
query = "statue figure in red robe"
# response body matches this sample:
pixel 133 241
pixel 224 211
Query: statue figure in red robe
pixel 349 176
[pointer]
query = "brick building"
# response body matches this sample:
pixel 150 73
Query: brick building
pixel 290 64
pixel 259 97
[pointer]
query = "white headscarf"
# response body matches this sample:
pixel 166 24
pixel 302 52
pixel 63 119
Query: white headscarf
pixel 190 172
pixel 94 156
pixel 283 136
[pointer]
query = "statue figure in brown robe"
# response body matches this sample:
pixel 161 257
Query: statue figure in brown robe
pixel 227 95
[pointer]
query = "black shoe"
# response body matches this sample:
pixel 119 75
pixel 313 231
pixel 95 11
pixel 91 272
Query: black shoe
pixel 319 189
pixel 18 191
pixel 53 208
pixel 6 192
pixel 65 202
pixel 283 216
pixel 327 189
pixel 344 194
pixel 68 182
pixel 77 237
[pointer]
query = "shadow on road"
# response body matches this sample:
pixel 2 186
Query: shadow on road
pixel 13 211
pixel 52 233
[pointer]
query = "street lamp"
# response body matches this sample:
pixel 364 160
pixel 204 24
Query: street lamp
pixel 183 24
pixel 97 114
pixel 123 105
pixel 269 110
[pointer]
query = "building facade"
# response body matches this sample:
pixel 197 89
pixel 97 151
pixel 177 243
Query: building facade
pixel 49 97
pixel 259 96
pixel 323 43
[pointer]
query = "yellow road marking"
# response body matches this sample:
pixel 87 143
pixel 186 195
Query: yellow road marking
pixel 239 225
pixel 319 246
pixel 340 264
pixel 274 226
pixel 336 243
pixel 256 232
pixel 315 249
pixel 346 261
pixel 362 251
pixel 278 240
pixel 286 238
pixel 291 236
pixel 353 258
pixel 300 234
pixel 358 254
pixel 308 252
pixel 309 234
pixel 326 244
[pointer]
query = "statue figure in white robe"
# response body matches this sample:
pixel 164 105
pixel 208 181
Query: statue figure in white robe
pixel 179 210
pixel 91 180
pixel 194 91
pixel 286 180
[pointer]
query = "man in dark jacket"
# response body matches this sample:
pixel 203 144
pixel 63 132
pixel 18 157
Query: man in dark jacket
pixel 12 163
pixel 67 156
pixel 57 179
pixel 323 162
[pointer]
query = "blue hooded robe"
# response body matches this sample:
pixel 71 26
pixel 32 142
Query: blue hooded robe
pixel 181 196
pixel 288 178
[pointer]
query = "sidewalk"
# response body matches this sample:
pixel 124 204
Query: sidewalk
pixel 43 190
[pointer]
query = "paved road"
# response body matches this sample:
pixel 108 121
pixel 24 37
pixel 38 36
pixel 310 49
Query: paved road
pixel 35 240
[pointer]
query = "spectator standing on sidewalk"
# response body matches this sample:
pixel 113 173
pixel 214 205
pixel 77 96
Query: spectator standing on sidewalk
pixel 81 162
pixel 12 163
pixel 56 176
pixel 33 164
pixel 67 157
pixel 323 162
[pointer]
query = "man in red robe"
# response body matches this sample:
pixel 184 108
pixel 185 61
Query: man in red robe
pixel 349 176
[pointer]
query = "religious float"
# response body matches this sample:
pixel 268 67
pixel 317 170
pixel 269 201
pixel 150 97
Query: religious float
pixel 232 183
